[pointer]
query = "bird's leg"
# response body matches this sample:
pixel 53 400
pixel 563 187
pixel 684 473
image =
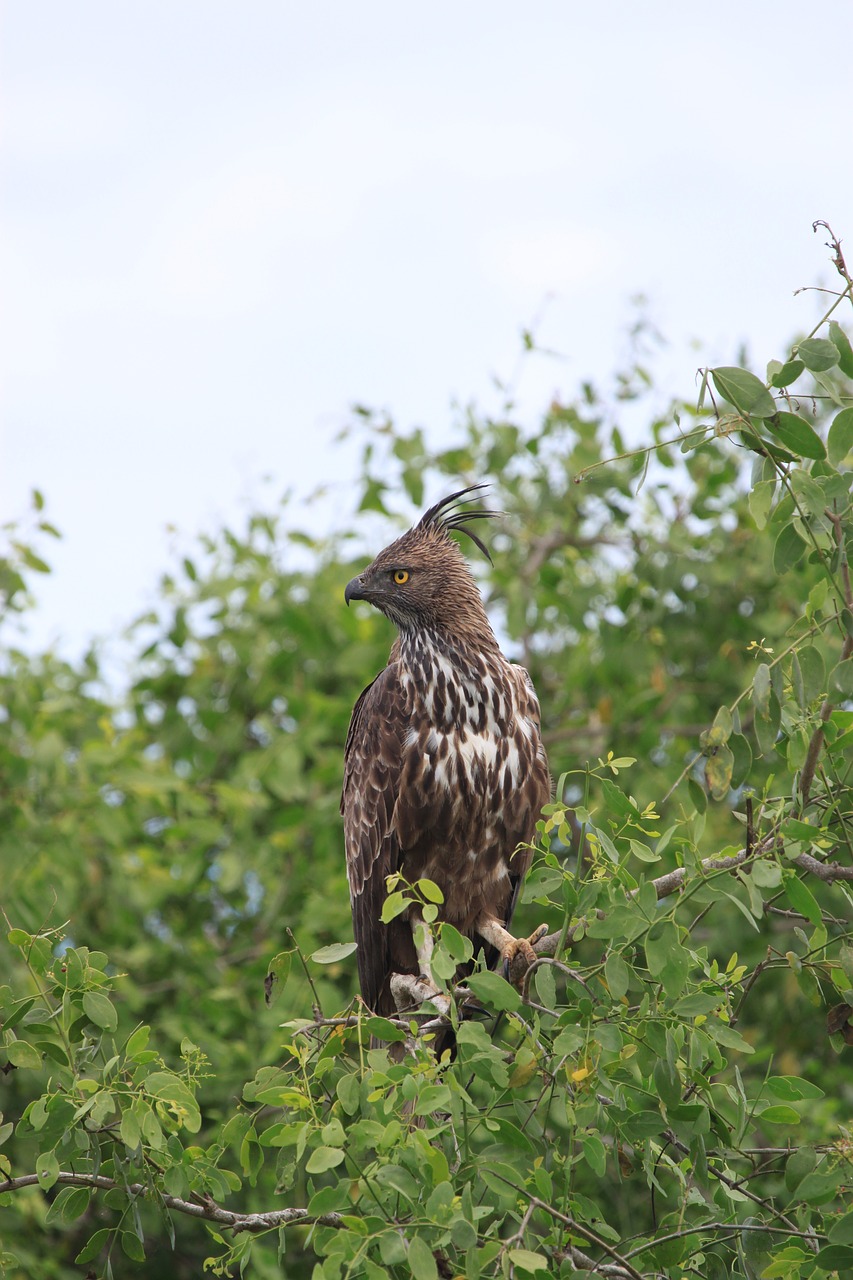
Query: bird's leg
pixel 517 953
pixel 424 945
pixel 408 989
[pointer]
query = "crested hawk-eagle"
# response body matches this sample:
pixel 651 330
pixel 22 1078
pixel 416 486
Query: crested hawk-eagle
pixel 445 772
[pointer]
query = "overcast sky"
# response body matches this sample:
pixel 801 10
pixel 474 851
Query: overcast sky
pixel 223 224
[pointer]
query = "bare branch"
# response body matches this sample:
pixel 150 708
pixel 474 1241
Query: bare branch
pixel 826 871
pixel 734 1228
pixel 666 884
pixel 206 1208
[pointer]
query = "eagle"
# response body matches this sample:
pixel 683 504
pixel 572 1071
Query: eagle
pixel 445 773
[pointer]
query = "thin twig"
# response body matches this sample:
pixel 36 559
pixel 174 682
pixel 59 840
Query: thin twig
pixel 734 1227
pixel 579 1228
pixel 317 1007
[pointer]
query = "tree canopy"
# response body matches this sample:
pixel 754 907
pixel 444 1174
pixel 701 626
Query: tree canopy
pixel 189 1082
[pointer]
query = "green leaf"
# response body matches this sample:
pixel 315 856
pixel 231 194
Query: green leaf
pixel 277 974
pixel 842 1231
pixel 394 905
pixel 617 975
pixel 808 492
pixel 813 672
pixel 786 373
pixel 70 1204
pixel 835 1257
pixel 793 1088
pixel 47 1168
pixel 421 1261
pixel 839 442
pixel 746 392
pixel 392 1248
pixel 796 434
pixel 662 941
pixel 94 1245
pixel 332 954
pixel 818 354
pixel 766 875
pixel 780 1115
pixel 323 1158
pixel 718 772
pixel 802 899
pixel 130 1131
pixel 761 689
pixel 430 890
pixel 720 731
pixel 495 992
pixel 137 1041
pixel 19 937
pixel 169 1088
pixel 788 550
pixel 527 1261
pixel 546 986
pixel 799 1164
pixel 432 1097
pixel 728 1037
pixel 820 1186
pixel 697 795
pixel 22 1054
pixel 132 1246
pixel 100 1010
pixel 348 1090
pixel 760 501
pixel 667 1082
pixel 828 387
pixel 742 753
pixel 383 1029
pixel 845 352
pixel 841 679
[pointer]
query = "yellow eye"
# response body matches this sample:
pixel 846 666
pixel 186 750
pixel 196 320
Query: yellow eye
pixel 400 576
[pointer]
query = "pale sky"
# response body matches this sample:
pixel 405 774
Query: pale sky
pixel 223 224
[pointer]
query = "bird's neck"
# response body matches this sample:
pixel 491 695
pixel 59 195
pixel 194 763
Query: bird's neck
pixel 457 683
pixel 466 654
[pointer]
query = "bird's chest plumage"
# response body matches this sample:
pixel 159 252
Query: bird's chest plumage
pixel 468 753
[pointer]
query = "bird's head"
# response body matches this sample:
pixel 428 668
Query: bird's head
pixel 422 580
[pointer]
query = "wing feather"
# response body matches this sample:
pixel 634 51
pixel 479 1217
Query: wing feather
pixel 372 762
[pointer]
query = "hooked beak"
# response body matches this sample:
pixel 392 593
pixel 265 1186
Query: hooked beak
pixel 354 590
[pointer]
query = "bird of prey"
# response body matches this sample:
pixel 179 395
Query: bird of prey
pixel 445 773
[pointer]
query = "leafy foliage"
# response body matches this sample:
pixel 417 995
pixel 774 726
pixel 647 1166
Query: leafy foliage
pixel 669 1095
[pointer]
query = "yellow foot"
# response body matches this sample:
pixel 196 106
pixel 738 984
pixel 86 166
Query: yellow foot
pixel 519 955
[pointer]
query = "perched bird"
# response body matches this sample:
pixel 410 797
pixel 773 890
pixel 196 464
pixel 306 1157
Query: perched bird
pixel 445 773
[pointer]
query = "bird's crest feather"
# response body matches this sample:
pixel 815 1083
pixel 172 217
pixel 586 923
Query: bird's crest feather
pixel 450 513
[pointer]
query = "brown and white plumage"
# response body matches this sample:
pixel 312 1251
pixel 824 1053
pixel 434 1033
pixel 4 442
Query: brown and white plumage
pixel 445 772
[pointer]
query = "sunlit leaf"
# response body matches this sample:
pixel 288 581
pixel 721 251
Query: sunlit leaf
pixel 818 354
pixel 796 434
pixel 335 952
pixel 746 392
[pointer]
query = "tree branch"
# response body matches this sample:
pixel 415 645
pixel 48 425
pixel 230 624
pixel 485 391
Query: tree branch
pixel 816 741
pixel 206 1208
pixel 826 871
pixel 666 884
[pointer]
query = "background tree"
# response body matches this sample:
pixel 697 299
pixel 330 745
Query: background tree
pixel 671 1096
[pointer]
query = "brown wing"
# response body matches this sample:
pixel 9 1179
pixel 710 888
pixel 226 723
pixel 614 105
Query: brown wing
pixel 536 789
pixel 372 760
